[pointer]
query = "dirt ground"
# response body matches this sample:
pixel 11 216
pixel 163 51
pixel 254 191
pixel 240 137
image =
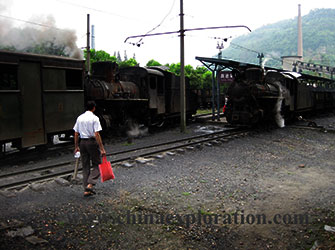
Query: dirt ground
pixel 269 190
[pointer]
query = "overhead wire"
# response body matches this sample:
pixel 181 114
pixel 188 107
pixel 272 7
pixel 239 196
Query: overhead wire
pixel 139 41
pixel 97 10
pixel 244 48
pixel 30 22
pixel 254 51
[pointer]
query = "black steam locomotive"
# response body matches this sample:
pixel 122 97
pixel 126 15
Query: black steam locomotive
pixel 41 96
pixel 147 95
pixel 258 94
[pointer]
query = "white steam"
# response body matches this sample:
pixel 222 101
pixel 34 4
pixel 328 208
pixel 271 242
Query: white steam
pixel 278 117
pixel 44 39
pixel 136 130
pixel 265 61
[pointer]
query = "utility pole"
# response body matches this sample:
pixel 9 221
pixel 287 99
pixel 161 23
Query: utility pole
pixel 88 45
pixel 182 72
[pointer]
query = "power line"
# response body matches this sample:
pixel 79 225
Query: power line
pixel 254 51
pixel 33 23
pixel 185 30
pixel 139 42
pixel 97 10
pixel 241 47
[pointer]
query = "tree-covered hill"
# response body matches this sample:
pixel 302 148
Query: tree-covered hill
pixel 280 39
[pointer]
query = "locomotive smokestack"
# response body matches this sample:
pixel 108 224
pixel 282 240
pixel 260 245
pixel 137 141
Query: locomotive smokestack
pixel 300 50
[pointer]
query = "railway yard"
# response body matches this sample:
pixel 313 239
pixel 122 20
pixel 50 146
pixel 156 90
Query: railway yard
pixel 204 189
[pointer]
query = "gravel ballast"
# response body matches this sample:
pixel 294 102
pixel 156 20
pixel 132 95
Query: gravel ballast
pixel 207 197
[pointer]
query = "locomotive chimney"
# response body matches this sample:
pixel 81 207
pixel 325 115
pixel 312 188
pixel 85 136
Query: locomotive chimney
pixel 290 62
pixel 300 50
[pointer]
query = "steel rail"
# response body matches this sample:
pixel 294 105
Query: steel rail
pixel 114 153
pixel 18 183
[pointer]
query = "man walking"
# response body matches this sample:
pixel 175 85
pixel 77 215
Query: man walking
pixel 87 127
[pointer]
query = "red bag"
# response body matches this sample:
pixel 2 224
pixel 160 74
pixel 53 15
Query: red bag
pixel 106 170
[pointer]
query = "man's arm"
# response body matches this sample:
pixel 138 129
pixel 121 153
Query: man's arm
pixel 99 141
pixel 76 142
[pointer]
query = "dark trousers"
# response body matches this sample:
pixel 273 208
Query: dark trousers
pixel 89 152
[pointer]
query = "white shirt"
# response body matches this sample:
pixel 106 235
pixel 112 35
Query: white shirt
pixel 87 124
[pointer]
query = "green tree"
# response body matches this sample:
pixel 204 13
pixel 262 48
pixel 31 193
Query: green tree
pixel 175 68
pixel 47 48
pixel 152 62
pixel 130 62
pixel 99 55
pixel 207 80
pixel 200 77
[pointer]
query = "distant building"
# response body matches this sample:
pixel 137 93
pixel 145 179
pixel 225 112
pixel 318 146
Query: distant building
pixel 290 62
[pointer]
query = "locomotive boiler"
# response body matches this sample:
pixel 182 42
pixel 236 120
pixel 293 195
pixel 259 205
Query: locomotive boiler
pixel 117 101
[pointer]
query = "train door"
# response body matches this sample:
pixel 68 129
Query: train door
pixel 157 93
pixel 160 95
pixel 152 92
pixel 32 112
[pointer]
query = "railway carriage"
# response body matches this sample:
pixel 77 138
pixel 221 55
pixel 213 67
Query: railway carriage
pixel 40 96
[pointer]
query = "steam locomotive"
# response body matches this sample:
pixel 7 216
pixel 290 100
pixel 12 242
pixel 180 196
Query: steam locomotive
pixel 258 95
pixel 41 96
pixel 147 95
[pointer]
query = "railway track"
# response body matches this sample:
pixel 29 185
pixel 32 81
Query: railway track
pixel 16 157
pixel 22 178
pixel 315 128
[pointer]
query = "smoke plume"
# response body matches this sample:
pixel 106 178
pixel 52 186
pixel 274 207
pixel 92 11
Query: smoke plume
pixel 45 38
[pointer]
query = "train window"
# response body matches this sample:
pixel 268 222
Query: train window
pixel 8 77
pixel 160 85
pixel 54 79
pixel 152 82
pixel 74 79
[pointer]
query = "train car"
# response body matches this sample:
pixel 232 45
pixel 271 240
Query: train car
pixel 172 95
pixel 40 96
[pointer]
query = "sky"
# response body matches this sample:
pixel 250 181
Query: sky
pixel 114 21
